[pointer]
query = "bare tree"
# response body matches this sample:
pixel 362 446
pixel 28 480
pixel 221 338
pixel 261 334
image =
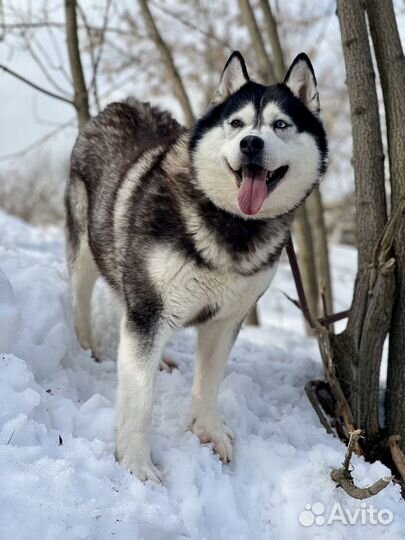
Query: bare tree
pixel 358 349
pixel 265 66
pixel 168 62
pixel 81 98
pixel 391 66
pixel 354 356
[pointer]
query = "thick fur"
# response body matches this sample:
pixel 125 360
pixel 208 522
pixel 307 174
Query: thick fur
pixel 152 207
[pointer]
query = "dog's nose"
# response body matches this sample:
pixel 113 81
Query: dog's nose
pixel 251 145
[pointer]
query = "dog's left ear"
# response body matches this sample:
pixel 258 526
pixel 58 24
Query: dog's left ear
pixel 301 80
pixel 233 77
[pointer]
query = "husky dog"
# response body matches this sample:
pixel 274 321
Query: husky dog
pixel 187 227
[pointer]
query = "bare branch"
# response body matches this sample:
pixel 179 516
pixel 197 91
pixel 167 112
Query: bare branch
pixel 168 62
pixel 81 100
pixel 34 85
pixel 39 142
pixel 311 395
pixel 344 479
pixel 95 59
pixel 272 31
pixel 29 43
pixel 266 68
pixel 190 25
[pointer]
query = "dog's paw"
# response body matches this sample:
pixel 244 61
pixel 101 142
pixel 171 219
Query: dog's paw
pixel 142 467
pixel 167 364
pixel 217 433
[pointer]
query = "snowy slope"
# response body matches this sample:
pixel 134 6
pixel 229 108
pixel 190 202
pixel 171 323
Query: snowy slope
pixel 58 477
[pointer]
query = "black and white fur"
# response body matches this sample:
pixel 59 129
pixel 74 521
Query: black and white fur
pixel 153 208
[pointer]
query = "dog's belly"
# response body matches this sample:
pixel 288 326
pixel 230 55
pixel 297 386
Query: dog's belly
pixel 192 294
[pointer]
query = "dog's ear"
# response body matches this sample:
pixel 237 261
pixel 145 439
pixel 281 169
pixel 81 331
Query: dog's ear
pixel 301 80
pixel 233 77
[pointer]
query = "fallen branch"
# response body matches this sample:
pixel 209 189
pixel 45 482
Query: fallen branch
pixel 344 479
pixel 311 395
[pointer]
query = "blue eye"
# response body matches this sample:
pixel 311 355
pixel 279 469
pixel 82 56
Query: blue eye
pixel 280 124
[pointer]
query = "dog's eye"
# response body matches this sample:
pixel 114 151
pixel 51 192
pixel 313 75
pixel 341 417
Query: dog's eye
pixel 237 123
pixel 280 124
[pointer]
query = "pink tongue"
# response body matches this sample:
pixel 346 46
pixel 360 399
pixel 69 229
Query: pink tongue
pixel 252 191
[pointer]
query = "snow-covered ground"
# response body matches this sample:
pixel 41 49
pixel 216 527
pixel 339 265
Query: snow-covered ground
pixel 58 477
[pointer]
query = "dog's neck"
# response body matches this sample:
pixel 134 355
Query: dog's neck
pixel 247 245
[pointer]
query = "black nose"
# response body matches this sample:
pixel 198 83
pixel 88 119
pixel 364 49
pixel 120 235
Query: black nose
pixel 251 145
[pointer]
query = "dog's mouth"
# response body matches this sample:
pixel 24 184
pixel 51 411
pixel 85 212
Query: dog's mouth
pixel 255 184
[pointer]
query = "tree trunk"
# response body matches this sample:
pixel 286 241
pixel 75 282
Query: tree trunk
pixel 358 349
pixel 309 223
pixel 391 66
pixel 272 31
pixel 167 59
pixel 265 66
pixel 316 217
pixel 306 257
pixel 81 100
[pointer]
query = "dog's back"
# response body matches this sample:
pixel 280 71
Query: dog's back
pixel 115 139
pixel 103 154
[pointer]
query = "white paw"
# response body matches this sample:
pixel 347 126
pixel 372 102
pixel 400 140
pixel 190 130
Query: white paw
pixel 167 364
pixel 140 466
pixel 217 433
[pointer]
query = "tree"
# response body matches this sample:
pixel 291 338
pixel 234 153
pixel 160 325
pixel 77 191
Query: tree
pixel 391 66
pixel 309 224
pixel 379 295
pixel 168 62
pixel 81 98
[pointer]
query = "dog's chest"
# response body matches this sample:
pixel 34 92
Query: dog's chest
pixel 191 293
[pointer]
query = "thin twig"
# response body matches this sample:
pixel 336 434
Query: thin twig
pixel 38 142
pixel 34 85
pixel 188 24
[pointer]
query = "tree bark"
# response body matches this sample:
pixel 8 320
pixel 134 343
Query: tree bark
pixel 274 37
pixel 167 59
pixel 391 67
pixel 265 66
pixel 306 257
pixel 81 100
pixel 358 349
pixel 316 217
pixel 367 146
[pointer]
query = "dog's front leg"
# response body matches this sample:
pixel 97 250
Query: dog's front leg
pixel 138 359
pixel 215 340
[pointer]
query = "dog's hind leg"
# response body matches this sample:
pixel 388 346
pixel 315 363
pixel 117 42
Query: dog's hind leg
pixel 139 354
pixel 82 267
pixel 215 341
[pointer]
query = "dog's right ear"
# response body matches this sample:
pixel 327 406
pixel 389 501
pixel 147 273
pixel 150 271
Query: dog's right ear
pixel 233 77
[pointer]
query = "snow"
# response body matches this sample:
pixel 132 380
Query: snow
pixel 58 476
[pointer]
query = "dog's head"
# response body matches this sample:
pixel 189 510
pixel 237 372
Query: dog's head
pixel 260 150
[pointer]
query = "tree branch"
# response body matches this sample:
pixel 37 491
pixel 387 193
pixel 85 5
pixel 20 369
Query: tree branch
pixel 344 479
pixel 39 142
pixel 81 100
pixel 266 68
pixel 168 62
pixel 34 85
